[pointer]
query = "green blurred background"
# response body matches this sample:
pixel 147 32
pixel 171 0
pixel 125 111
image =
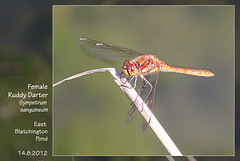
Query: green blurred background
pixel 90 112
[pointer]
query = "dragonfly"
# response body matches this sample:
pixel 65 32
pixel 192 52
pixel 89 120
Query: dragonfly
pixel 135 64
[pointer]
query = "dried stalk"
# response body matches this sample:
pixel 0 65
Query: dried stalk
pixel 142 107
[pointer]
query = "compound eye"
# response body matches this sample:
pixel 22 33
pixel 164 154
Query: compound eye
pixel 129 68
pixel 132 67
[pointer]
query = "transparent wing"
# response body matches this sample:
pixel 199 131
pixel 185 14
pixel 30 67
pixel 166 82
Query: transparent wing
pixel 150 99
pixel 147 95
pixel 105 51
pixel 134 108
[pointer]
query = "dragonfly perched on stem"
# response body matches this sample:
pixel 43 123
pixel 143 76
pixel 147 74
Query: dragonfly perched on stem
pixel 136 63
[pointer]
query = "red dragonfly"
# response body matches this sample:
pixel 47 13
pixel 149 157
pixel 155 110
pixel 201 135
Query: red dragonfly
pixel 136 64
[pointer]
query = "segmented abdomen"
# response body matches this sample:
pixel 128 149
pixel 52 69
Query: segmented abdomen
pixel 166 68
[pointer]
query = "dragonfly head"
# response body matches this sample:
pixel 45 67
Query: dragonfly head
pixel 129 68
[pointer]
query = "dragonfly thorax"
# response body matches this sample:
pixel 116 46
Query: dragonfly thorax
pixel 129 68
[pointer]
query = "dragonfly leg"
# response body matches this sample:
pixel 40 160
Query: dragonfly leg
pixel 130 79
pixel 135 82
pixel 151 87
pixel 145 84
pixel 124 82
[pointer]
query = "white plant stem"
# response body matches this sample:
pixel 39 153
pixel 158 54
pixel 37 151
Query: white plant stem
pixel 142 107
